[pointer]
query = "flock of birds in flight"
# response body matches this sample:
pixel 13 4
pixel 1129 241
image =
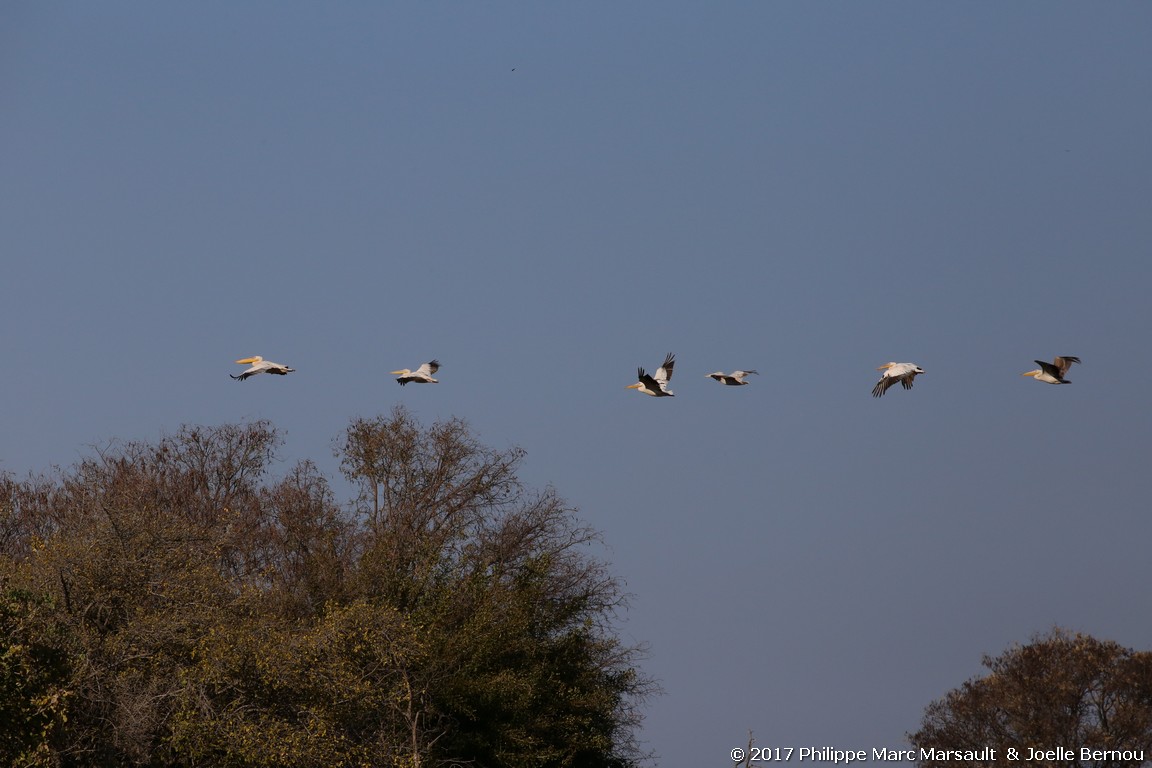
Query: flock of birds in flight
pixel 656 384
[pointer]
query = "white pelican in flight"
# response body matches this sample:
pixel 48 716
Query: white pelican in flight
pixel 896 372
pixel 1053 372
pixel 260 365
pixel 657 384
pixel 422 375
pixel 732 379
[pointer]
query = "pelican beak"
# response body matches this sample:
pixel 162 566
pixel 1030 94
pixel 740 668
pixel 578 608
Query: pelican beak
pixel 404 372
pixel 1031 373
pixel 884 367
pixel 633 386
pixel 247 360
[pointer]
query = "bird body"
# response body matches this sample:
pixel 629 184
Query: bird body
pixel 1053 372
pixel 655 385
pixel 260 365
pixel 733 379
pixel 422 375
pixel 896 372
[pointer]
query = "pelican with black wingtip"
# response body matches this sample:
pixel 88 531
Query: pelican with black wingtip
pixel 655 385
pixel 260 365
pixel 904 373
pixel 734 379
pixel 422 375
pixel 1053 372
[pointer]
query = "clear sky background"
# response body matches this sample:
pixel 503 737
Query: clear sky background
pixel 545 196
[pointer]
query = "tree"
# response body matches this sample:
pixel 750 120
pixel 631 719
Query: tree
pixel 522 666
pixel 169 606
pixel 1061 690
pixel 137 551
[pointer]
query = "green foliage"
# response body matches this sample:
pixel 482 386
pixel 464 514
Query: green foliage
pixel 33 676
pixel 267 693
pixel 192 614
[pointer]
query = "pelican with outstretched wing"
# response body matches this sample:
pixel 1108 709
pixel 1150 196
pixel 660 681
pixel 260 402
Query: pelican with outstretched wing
pixel 422 375
pixel 260 365
pixel 1053 372
pixel 736 378
pixel 655 385
pixel 896 372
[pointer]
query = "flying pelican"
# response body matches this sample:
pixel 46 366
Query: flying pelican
pixel 656 385
pixel 1053 372
pixel 896 372
pixel 731 379
pixel 260 365
pixel 422 375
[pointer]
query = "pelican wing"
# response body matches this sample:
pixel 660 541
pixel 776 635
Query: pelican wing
pixel 1064 363
pixel 270 367
pixel 429 367
pixel 649 382
pixel 664 372
pixel 882 385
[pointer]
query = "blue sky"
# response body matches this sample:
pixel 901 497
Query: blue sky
pixel 569 191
